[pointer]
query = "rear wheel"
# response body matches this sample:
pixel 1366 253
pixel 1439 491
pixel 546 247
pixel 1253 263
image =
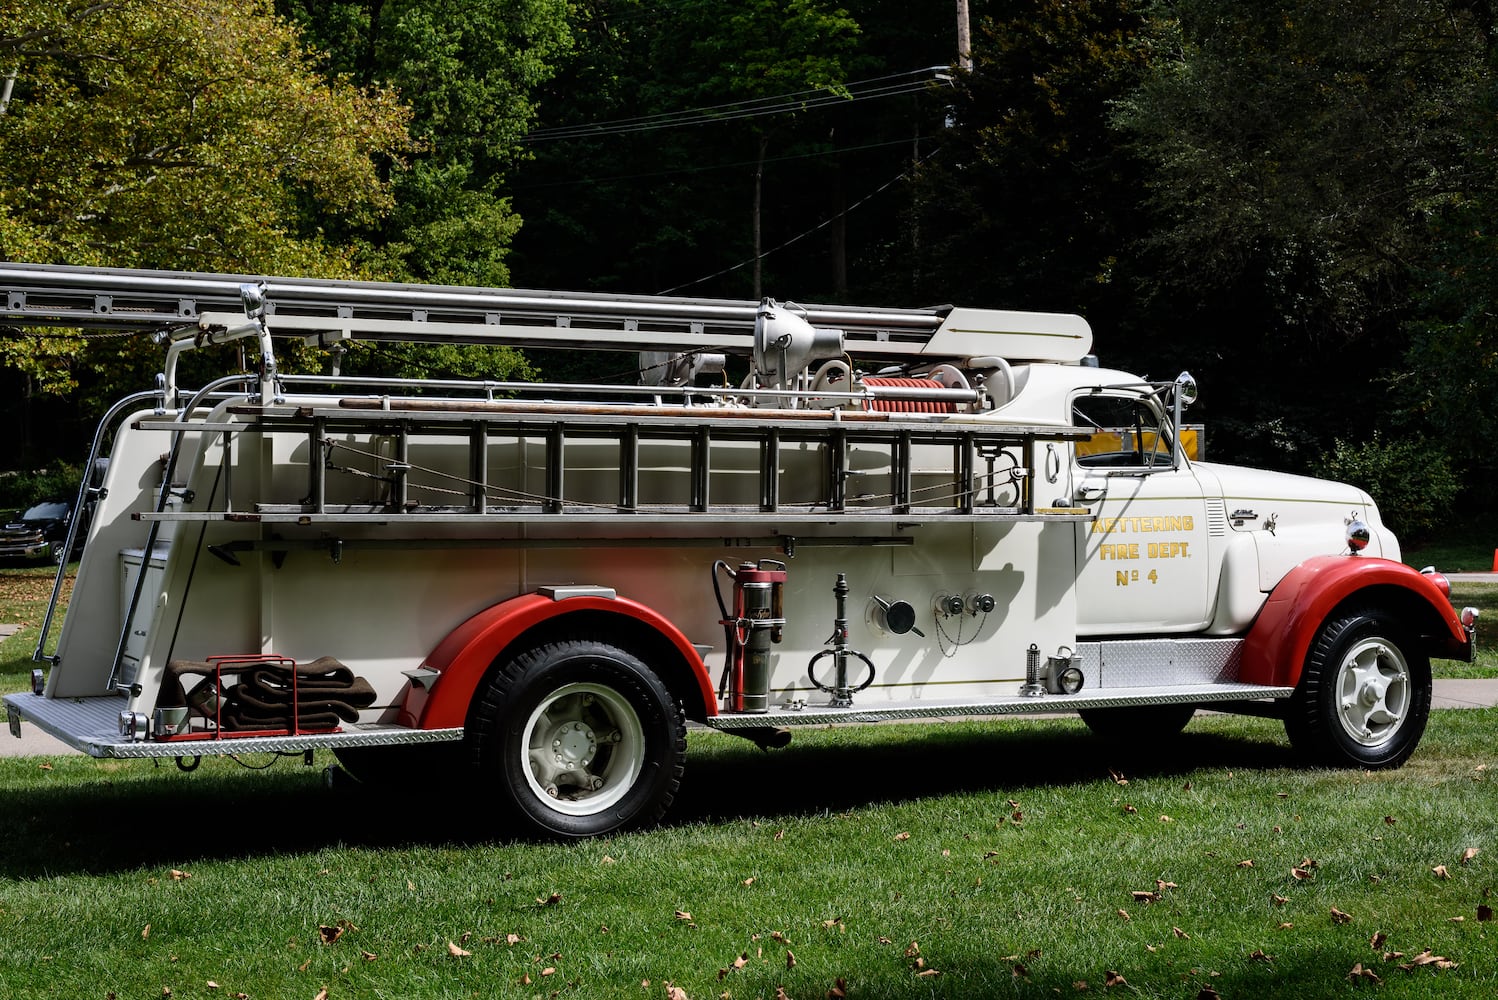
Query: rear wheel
pixel 1364 694
pixel 581 738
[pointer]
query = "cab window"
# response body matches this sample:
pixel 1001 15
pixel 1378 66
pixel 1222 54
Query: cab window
pixel 1127 432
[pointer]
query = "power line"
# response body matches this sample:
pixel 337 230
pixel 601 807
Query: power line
pixel 891 85
pixel 801 236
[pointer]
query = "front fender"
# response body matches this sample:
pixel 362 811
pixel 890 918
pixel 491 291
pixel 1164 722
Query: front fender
pixel 464 657
pixel 1275 649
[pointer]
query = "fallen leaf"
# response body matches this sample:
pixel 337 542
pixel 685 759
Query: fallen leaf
pixel 749 880
pixel 1207 993
pixel 790 959
pixel 1278 900
pixel 322 994
pixel 683 915
pixel 548 971
pixel 1484 912
pixel 1259 956
pixel 1162 885
pixel 1125 914
pixel 1285 926
pixel 212 985
pixel 1469 854
pixel 1390 820
pixel 1166 819
pixel 913 950
pixel 675 992
pixel 1128 809
pixel 1455 920
pixel 457 952
pixel 1180 934
pixel 778 937
pixel 329 934
pixel 1358 972
pixel 1377 941
pixel 1245 863
pixel 1440 871
pixel 928 972
pixel 178 875
pixel 1111 978
pixel 1301 874
pixel 145 932
pixel 551 900
pixel 1338 917
pixel 839 989
pixel 779 834
pixel 368 956
pixel 905 836
pixel 1118 779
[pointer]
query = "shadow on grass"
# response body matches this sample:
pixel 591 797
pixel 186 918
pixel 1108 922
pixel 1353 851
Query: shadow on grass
pixel 89 817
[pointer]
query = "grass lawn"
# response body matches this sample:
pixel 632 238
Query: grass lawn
pixel 972 860
pixel 1000 859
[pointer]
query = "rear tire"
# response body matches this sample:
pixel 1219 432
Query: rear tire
pixel 1364 695
pixel 581 738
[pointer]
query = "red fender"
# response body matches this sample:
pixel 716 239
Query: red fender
pixel 468 651
pixel 1277 643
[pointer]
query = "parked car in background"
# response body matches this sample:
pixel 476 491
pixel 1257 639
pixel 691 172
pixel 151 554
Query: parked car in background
pixel 39 532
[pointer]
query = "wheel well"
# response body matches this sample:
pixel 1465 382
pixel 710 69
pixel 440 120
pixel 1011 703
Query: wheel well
pixel 1411 611
pixel 658 652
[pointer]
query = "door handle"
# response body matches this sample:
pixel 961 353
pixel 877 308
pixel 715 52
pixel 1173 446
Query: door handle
pixel 1089 494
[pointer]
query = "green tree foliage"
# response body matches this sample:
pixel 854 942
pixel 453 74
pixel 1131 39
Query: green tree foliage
pixel 467 69
pixel 649 146
pixel 182 133
pixel 186 134
pixel 1410 478
pixel 1028 201
pixel 1297 153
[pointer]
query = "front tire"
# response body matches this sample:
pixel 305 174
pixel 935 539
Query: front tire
pixel 583 738
pixel 1364 694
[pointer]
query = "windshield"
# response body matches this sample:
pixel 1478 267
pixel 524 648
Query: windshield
pixel 47 510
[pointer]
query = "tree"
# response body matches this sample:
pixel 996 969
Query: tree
pixel 1025 200
pixel 467 69
pixel 1298 152
pixel 189 134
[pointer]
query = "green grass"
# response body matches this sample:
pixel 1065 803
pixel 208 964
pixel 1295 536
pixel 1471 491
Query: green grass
pixel 24 593
pixel 1003 856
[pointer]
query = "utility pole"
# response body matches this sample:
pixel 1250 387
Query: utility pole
pixel 964 37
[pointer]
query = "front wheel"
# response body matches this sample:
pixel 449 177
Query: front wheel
pixel 1364 694
pixel 582 737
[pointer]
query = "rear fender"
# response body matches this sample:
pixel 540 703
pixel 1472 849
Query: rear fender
pixel 464 657
pixel 1274 651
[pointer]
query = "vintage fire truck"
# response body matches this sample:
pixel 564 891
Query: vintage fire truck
pixel 896 513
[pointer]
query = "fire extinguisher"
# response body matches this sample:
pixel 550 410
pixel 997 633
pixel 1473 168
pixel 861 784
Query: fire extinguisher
pixel 756 621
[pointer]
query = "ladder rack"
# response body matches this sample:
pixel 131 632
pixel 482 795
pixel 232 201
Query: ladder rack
pixel 983 471
pixel 324 312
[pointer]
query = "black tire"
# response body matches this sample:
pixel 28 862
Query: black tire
pixel 1364 694
pixel 1139 725
pixel 583 738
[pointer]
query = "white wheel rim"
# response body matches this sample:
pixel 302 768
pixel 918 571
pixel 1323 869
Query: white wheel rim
pixel 1373 692
pixel 584 749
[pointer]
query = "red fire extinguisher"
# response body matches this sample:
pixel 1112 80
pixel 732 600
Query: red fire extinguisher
pixel 756 621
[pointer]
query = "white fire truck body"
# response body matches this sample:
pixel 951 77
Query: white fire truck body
pixel 899 513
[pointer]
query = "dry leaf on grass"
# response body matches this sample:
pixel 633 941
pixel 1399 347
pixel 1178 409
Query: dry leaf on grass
pixel 329 934
pixel 1428 957
pixel 683 915
pixel 1484 912
pixel 675 992
pixel 457 952
pixel 903 835
pixel 1358 972
pixel 551 900
pixel 1111 978
pixel 1469 854
pixel 1338 917
pixel 1440 871
pixel 839 989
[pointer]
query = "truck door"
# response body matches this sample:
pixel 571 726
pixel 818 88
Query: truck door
pixel 1142 564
